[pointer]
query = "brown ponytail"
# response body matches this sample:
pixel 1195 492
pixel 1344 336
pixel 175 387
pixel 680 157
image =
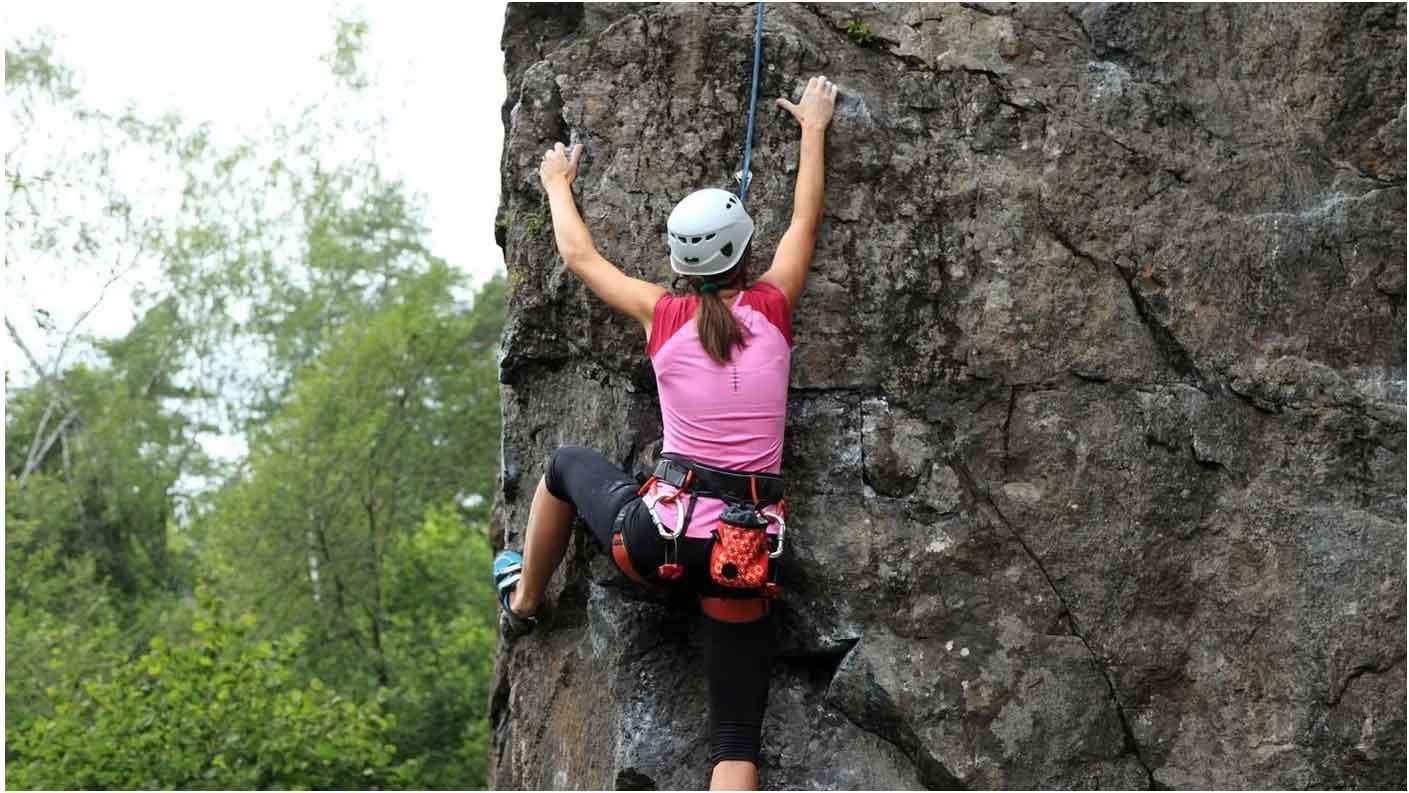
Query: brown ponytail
pixel 719 331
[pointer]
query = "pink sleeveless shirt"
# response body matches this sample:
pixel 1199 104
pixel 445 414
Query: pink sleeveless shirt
pixel 728 416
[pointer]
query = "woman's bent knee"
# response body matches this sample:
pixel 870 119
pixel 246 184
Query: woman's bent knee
pixel 558 464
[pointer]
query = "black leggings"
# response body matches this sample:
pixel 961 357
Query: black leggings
pixel 738 656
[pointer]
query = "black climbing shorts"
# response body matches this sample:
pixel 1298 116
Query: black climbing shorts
pixel 738 656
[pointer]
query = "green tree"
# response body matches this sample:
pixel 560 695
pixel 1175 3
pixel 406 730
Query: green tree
pixel 108 437
pixel 398 415
pixel 440 643
pixel 295 305
pixel 339 527
pixel 218 712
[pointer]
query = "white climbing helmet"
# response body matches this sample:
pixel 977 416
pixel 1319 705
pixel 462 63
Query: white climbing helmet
pixel 707 232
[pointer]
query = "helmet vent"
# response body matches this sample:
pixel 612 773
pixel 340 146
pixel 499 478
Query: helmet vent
pixel 692 260
pixel 728 249
pixel 694 240
pixel 709 237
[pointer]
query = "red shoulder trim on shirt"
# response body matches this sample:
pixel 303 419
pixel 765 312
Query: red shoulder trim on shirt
pixel 669 315
pixel 770 301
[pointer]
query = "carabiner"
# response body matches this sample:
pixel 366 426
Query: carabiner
pixel 651 500
pixel 782 530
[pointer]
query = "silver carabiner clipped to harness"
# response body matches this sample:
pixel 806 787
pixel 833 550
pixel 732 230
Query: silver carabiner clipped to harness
pixel 782 530
pixel 655 498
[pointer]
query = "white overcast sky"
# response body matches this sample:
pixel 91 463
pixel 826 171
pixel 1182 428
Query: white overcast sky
pixel 439 76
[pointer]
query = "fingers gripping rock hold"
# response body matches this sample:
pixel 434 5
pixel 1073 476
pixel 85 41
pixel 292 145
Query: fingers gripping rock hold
pixel 815 106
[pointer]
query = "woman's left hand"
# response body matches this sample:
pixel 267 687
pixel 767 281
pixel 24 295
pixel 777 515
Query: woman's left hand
pixel 559 165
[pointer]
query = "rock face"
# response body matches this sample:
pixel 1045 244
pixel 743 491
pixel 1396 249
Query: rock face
pixel 1096 442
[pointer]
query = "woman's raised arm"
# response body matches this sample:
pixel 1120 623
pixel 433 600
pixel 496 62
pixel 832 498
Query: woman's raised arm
pixel 631 296
pixel 794 255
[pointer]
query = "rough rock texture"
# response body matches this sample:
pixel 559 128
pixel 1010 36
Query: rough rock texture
pixel 1097 427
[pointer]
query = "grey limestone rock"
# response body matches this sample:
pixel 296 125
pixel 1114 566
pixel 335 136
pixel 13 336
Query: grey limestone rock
pixel 1096 441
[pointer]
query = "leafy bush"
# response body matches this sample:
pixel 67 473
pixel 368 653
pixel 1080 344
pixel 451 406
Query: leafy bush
pixel 217 712
pixel 60 619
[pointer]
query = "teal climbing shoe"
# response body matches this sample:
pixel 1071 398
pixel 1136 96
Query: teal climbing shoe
pixel 508 569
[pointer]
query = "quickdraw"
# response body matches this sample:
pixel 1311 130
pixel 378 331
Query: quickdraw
pixel 652 499
pixel 670 569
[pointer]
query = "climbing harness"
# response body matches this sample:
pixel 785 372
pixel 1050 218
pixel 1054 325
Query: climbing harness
pixel 744 175
pixel 742 572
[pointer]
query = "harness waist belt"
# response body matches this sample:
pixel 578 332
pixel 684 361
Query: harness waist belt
pixel 737 486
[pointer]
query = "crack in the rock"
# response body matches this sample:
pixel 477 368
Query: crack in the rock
pixel 1262 405
pixel 982 499
pixel 1183 110
pixel 1085 34
pixel 1007 422
pixel 888 727
pixel 912 60
pixel 987 8
pixel 1174 352
pixel 864 392
pixel 1152 196
pixel 1089 377
pixel 989 73
pixel 820 663
pixel 1359 672
pixel 1333 246
pixel 933 774
pixel 1136 154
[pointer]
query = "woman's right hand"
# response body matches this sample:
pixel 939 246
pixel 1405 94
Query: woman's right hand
pixel 815 107
pixel 559 165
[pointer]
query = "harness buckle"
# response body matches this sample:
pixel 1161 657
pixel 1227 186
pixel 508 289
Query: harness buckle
pixel 672 473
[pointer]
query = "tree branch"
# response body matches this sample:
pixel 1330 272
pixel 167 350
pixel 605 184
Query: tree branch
pixel 33 464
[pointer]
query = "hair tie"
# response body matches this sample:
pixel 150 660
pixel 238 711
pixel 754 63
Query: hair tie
pixel 706 287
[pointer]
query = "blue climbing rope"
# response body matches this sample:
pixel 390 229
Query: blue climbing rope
pixel 753 100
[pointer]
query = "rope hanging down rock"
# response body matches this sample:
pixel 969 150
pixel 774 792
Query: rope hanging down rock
pixel 744 175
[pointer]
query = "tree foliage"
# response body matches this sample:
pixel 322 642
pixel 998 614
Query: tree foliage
pixel 442 625
pixel 288 300
pixel 397 416
pixel 216 712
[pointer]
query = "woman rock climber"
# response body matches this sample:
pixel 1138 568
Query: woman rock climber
pixel 721 354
